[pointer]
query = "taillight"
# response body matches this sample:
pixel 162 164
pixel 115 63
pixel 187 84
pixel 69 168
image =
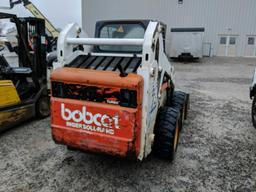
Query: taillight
pixel 128 98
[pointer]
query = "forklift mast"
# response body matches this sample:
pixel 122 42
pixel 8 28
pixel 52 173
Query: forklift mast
pixel 37 13
pixel 33 33
pixel 32 46
pixel 24 88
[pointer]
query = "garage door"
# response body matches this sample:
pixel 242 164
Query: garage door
pixel 250 49
pixel 227 46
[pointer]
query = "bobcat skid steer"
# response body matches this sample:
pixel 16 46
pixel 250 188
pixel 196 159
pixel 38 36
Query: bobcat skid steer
pixel 114 94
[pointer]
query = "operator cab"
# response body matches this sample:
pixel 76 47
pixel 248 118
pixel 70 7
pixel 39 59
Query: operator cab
pixel 121 30
pixel 123 58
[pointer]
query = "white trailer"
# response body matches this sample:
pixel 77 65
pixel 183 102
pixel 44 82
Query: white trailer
pixel 187 43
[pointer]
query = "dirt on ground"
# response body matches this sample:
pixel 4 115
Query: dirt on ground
pixel 217 149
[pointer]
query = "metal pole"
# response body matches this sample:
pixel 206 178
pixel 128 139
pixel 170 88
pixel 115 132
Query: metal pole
pixel 104 41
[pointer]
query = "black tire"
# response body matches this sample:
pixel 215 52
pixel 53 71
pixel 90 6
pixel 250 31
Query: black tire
pixel 170 93
pixel 180 101
pixel 254 112
pixel 167 133
pixel 43 107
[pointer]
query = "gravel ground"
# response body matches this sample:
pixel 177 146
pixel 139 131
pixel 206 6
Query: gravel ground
pixel 217 150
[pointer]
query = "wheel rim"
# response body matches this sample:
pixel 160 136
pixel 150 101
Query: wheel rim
pixel 176 137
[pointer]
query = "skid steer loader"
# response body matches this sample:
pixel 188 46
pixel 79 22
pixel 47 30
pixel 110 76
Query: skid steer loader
pixel 115 93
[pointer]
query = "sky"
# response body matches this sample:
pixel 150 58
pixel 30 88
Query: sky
pixel 59 12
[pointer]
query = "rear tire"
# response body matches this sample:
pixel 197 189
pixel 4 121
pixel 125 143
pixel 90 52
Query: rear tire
pixel 254 112
pixel 180 101
pixel 167 133
pixel 43 107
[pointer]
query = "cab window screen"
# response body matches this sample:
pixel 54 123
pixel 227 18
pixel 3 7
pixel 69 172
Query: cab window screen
pixel 122 31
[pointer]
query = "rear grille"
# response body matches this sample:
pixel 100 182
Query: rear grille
pixel 129 64
pixel 114 96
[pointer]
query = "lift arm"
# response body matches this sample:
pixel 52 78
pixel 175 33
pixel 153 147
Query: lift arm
pixel 37 13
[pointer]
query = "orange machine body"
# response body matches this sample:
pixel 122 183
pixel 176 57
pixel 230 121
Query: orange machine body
pixel 96 125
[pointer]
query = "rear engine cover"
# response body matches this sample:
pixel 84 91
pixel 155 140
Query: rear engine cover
pixel 98 126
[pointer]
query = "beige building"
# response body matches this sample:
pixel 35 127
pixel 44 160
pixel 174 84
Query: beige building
pixel 230 26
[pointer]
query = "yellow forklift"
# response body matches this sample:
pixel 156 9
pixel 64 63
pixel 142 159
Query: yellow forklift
pixel 23 89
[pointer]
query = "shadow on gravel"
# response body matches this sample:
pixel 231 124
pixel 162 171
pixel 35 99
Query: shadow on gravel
pixel 118 174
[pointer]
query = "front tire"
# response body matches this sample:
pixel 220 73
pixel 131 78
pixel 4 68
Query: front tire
pixel 43 107
pixel 167 133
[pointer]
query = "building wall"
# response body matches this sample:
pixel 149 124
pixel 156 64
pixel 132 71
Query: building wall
pixel 233 17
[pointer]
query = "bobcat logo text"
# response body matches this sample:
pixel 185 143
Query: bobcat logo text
pixel 83 119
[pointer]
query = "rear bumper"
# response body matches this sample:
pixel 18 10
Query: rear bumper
pixel 94 143
pixel 103 134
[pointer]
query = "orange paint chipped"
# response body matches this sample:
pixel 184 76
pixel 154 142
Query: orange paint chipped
pixel 96 78
pixel 97 127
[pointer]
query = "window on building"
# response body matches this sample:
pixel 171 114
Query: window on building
pixel 180 1
pixel 232 41
pixel 251 40
pixel 223 40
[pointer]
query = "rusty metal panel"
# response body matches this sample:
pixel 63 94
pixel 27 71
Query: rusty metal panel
pixel 15 115
pixel 97 127
pixel 97 78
